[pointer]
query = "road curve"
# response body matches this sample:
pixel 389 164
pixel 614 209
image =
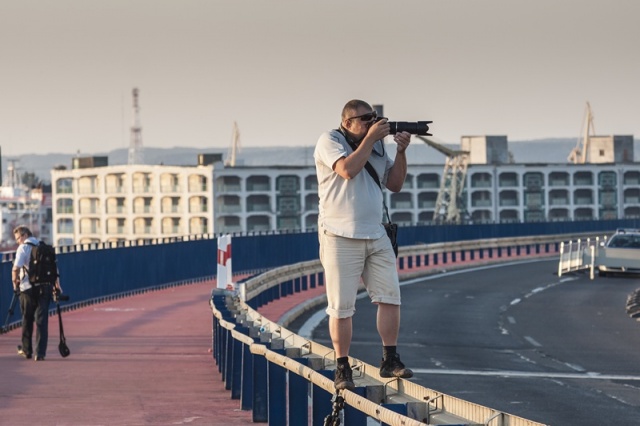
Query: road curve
pixel 517 338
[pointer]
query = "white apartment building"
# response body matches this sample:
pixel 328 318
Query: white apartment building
pixel 130 202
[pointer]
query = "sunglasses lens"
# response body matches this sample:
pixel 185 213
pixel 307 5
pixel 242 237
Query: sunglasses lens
pixel 368 117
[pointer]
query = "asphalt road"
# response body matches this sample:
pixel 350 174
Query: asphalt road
pixel 561 351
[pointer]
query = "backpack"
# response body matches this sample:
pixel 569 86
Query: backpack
pixel 43 267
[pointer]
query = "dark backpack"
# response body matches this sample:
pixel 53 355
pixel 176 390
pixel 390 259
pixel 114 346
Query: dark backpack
pixel 42 265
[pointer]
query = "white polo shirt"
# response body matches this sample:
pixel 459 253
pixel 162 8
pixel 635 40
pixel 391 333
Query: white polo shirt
pixel 23 255
pixel 349 208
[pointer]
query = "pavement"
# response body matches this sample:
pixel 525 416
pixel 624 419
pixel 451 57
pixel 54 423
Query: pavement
pixel 139 360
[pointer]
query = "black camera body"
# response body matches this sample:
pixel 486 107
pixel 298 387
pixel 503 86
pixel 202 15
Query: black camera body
pixel 415 128
pixel 60 296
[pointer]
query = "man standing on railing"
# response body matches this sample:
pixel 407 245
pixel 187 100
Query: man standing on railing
pixel 353 241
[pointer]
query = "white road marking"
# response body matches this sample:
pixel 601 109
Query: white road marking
pixel 118 309
pixel 527 374
pixel 532 341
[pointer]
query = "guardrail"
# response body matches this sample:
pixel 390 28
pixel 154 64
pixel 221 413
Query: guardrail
pixel 579 255
pixel 280 375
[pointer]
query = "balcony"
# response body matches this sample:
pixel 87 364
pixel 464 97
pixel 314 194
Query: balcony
pixel 87 190
pixel 142 230
pixel 143 209
pixel 115 230
pixel 87 230
pixel 115 189
pixel 198 209
pixel 171 209
pixel 199 229
pixel 229 209
pixel 170 188
pixel 142 189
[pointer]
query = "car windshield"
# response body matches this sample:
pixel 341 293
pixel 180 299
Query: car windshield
pixel 625 241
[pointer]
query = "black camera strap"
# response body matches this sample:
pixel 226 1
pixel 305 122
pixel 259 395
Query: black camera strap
pixel 370 169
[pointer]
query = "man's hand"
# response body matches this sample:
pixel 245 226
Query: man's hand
pixel 378 130
pixel 403 139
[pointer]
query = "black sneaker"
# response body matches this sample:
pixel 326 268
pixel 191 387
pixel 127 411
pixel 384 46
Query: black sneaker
pixel 39 358
pixel 393 367
pixel 22 353
pixel 343 378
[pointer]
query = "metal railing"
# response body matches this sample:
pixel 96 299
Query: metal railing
pixel 278 374
pixel 579 255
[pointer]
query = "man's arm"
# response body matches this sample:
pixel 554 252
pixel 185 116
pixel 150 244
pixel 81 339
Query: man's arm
pixel 349 167
pixel 15 277
pixel 398 171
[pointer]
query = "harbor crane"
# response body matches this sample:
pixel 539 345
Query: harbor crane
pixel 579 154
pixel 450 207
pixel 235 146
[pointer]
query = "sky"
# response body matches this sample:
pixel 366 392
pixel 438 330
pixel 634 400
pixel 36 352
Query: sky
pixel 283 69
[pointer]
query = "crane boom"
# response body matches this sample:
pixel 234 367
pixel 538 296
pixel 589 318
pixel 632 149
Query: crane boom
pixel 578 155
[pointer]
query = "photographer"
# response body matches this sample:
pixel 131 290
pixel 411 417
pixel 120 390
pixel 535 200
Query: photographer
pixel 34 298
pixel 353 241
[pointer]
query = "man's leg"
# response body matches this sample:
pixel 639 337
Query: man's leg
pixel 42 321
pixel 340 330
pixel 27 307
pixel 388 323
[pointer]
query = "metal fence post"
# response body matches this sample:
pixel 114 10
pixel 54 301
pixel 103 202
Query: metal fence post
pixel 299 395
pixel 260 390
pixel 246 400
pixel 321 401
pixel 353 416
pixel 397 408
pixel 277 393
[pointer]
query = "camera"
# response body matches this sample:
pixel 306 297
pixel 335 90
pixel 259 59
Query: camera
pixel 61 297
pixel 415 128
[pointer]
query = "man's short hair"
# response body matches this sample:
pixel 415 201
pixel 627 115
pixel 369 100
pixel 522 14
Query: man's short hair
pixel 22 230
pixel 353 106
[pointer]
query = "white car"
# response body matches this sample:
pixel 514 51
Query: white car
pixel 620 253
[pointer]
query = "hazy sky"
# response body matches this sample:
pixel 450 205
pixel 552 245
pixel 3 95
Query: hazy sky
pixel 284 69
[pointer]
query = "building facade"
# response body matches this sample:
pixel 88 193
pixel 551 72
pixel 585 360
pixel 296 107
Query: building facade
pixel 130 202
pixel 259 199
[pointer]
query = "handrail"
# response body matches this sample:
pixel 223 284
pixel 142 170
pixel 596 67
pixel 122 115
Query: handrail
pixel 444 409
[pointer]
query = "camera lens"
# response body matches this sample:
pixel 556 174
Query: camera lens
pixel 415 128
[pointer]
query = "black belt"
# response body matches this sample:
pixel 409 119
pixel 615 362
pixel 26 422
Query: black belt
pixel 41 284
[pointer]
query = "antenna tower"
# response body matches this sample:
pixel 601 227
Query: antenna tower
pixel 135 147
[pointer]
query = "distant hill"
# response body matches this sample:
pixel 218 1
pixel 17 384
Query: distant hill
pixel 531 151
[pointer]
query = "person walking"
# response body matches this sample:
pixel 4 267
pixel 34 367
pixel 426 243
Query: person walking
pixel 34 298
pixel 353 242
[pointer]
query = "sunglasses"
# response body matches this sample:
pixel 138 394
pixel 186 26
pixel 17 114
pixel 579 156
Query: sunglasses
pixel 366 117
